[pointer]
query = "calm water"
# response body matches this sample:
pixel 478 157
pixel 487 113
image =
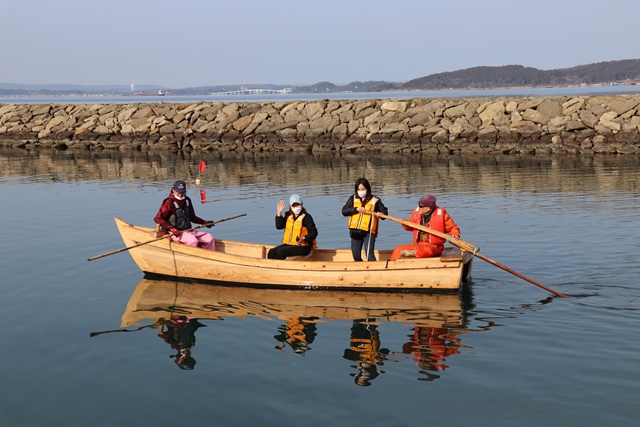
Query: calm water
pixel 500 353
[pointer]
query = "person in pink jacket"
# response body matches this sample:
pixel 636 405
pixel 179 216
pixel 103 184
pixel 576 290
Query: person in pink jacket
pixel 176 215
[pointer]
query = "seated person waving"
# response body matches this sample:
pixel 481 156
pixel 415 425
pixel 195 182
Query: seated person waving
pixel 300 231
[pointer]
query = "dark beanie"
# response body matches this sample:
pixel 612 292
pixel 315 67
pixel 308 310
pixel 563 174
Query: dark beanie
pixel 428 200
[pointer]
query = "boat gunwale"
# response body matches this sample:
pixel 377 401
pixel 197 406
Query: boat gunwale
pixel 303 264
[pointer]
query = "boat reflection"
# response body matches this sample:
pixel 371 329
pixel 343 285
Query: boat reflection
pixel 434 322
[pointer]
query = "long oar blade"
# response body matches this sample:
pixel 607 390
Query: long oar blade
pixel 469 248
pixel 515 273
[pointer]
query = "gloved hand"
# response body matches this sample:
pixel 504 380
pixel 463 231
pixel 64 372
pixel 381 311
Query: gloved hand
pixel 209 224
pixel 175 232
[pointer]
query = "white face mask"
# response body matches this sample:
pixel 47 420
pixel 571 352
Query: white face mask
pixel 362 194
pixel 296 210
pixel 178 196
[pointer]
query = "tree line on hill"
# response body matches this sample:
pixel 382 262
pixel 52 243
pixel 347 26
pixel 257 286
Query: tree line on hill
pixel 620 72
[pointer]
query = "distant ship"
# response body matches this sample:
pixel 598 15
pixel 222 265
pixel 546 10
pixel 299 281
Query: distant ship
pixel 160 93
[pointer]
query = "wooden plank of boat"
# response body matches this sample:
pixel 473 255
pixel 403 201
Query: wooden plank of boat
pixel 158 301
pixel 241 262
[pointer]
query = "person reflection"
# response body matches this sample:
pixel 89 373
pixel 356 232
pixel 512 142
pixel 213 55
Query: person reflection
pixel 179 333
pixel 365 349
pixel 298 333
pixel 430 348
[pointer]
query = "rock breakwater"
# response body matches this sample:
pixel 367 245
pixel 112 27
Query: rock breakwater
pixel 596 124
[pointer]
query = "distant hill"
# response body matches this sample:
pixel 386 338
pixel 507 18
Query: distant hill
pixel 327 87
pixel 624 71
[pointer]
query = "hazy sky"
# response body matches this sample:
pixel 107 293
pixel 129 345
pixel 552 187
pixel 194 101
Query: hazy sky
pixel 187 43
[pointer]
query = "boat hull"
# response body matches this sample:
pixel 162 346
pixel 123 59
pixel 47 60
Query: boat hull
pixel 246 263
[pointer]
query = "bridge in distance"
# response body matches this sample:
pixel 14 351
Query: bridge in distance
pixel 245 91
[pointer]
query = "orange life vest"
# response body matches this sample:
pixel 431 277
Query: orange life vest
pixel 295 229
pixel 436 222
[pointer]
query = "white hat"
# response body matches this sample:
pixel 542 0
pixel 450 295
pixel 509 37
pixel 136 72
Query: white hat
pixel 295 199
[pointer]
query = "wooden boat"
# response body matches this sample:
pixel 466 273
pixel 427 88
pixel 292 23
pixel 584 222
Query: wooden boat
pixel 157 301
pixel 247 263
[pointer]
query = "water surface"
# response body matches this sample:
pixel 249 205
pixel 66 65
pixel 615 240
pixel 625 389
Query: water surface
pixel 502 352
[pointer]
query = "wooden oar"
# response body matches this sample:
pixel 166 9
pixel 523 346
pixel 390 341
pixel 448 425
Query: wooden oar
pixel 160 238
pixel 467 247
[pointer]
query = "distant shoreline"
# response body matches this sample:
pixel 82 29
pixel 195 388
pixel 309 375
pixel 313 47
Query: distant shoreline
pixel 55 94
pixel 582 90
pixel 479 78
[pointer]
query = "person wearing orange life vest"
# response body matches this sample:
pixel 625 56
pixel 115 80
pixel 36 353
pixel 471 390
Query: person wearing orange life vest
pixel 424 244
pixel 363 228
pixel 300 231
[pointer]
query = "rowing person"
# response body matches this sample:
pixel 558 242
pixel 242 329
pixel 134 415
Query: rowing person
pixel 427 245
pixel 176 215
